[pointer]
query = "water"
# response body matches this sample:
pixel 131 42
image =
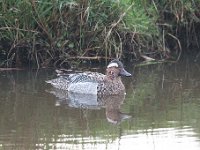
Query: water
pixel 163 101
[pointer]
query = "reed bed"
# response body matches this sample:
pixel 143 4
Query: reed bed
pixel 57 32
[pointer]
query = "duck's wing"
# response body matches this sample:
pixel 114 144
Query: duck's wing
pixel 84 77
pixel 77 81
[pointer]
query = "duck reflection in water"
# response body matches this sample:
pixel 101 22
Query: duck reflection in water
pixel 111 103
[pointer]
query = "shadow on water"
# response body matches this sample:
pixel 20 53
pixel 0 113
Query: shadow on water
pixel 163 100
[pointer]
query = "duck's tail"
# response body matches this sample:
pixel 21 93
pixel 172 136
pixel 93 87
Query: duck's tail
pixel 59 83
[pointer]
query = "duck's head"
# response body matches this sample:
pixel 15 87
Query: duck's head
pixel 115 68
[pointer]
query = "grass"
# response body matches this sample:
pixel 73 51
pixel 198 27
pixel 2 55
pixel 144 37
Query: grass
pixel 181 18
pixel 55 32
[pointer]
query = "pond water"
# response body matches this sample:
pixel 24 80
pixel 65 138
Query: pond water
pixel 161 110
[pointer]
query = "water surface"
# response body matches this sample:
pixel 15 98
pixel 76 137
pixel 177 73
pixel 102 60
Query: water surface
pixel 163 101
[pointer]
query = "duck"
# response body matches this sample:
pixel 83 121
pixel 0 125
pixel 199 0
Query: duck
pixel 95 83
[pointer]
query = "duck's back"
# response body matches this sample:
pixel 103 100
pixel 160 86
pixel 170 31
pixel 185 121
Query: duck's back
pixel 86 82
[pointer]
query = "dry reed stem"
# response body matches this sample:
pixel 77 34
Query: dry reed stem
pixel 179 44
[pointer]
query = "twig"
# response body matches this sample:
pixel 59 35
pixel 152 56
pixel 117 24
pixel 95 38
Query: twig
pixel 12 28
pixel 89 58
pixel 10 69
pixel 147 58
pixel 179 44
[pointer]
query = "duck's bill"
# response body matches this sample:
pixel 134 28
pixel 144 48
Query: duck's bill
pixel 123 72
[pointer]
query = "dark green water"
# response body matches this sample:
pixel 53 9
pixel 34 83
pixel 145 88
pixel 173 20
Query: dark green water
pixel 163 100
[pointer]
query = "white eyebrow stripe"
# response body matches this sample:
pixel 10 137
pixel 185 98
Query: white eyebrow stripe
pixel 112 65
